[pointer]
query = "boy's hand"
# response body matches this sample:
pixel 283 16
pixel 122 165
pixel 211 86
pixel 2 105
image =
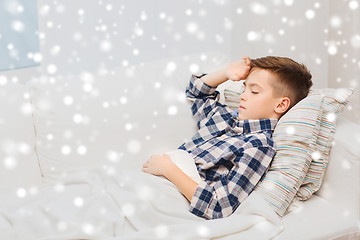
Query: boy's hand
pixel 237 71
pixel 158 165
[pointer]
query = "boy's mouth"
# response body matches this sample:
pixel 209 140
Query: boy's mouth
pixel 241 107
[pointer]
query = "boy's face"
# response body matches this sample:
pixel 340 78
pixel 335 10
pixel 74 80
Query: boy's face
pixel 257 100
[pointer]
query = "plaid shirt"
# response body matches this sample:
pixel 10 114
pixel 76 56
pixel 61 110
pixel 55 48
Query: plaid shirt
pixel 231 155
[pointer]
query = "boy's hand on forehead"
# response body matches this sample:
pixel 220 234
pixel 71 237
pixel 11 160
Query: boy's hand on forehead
pixel 238 71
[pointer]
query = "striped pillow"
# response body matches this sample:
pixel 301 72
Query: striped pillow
pixel 303 140
pixel 232 98
pixel 334 101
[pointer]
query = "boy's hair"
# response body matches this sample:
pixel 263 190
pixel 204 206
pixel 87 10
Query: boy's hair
pixel 292 80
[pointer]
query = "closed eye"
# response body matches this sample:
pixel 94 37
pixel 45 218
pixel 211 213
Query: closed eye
pixel 254 92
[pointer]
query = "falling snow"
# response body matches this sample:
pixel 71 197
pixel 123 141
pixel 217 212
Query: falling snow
pixel 117 42
pixel 290 130
pixel 128 209
pixel 316 155
pixel 21 192
pixel 162 231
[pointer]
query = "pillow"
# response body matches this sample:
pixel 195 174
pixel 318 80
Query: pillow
pixel 334 101
pixel 303 138
pixel 185 162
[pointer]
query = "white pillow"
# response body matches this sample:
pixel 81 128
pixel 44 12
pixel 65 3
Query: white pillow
pixel 185 162
pixel 342 177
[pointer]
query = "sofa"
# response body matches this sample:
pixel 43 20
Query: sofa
pixel 117 118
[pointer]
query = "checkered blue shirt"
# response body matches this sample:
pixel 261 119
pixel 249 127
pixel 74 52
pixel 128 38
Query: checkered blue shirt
pixel 231 155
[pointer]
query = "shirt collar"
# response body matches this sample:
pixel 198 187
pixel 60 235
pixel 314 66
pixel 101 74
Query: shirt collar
pixel 254 125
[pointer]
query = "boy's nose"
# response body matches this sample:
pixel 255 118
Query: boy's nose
pixel 242 97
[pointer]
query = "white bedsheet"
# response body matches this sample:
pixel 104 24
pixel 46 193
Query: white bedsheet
pixel 127 205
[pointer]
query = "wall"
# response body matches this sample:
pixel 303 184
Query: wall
pixel 97 36
pixel 324 35
pixel 295 29
pixel 344 52
pixel 77 36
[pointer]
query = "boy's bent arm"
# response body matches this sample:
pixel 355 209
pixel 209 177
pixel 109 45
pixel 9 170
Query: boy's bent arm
pixel 223 197
pixel 203 99
pixel 235 71
pixel 216 78
pixel 183 182
pixel 201 91
pixel 163 166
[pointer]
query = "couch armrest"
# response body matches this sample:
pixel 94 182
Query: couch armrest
pixel 341 184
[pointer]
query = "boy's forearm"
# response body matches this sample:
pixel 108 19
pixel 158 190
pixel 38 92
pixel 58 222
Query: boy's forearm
pixel 216 78
pixel 183 182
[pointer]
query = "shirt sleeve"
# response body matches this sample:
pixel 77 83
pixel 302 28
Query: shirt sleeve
pixel 223 197
pixel 204 100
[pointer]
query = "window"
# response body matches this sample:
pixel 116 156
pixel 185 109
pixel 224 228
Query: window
pixel 19 41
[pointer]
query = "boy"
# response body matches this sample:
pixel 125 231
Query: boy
pixel 233 149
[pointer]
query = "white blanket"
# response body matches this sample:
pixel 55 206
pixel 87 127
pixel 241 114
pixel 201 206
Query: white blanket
pixel 127 205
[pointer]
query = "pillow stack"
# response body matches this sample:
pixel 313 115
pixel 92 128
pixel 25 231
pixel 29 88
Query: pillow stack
pixel 334 101
pixel 303 138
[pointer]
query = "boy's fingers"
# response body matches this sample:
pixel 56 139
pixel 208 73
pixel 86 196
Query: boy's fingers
pixel 247 60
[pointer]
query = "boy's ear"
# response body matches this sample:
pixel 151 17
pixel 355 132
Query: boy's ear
pixel 282 105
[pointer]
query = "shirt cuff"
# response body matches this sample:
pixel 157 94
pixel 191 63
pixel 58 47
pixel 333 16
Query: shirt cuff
pixel 198 86
pixel 201 199
pixel 201 75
